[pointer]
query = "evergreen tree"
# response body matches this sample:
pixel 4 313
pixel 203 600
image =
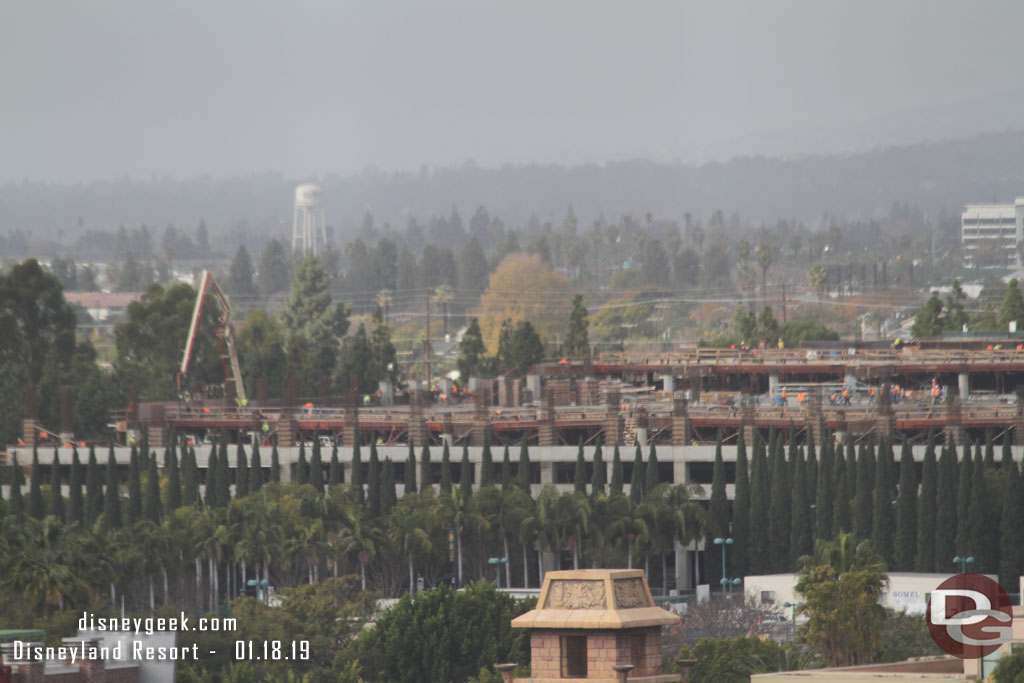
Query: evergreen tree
pixel 223 477
pixel 56 507
pixel 487 464
pixel 93 489
pixel 926 511
pixel 800 531
pixel 905 546
pixel 210 497
pixel 862 502
pixel 758 560
pixel 883 522
pixel 825 493
pixel 982 528
pixel 301 468
pixel 945 510
pixel 446 470
pixel 255 468
pixel 112 497
pixel 357 469
pixel 615 487
pixel 636 479
pixel 741 508
pixel 36 507
pixel 334 471
pixel 410 471
pixel 134 489
pixel 1012 308
pixel 316 467
pixel 76 506
pixel 963 502
pixel 15 505
pixel 506 470
pixel 388 490
pixel 241 471
pixel 151 501
pixel 811 466
pixel 718 510
pixel 1007 454
pixel 597 481
pixel 580 475
pixel 652 474
pixel 779 512
pixel 374 483
pixel 1010 540
pixel 173 480
pixel 576 344
pixel 275 463
pixel 189 477
pixel 990 451
pixel 842 521
pixel 426 473
pixel 143 461
pixel 525 478
pixel 465 475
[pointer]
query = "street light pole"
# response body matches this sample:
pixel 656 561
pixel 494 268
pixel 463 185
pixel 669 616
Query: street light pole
pixel 963 562
pixel 725 582
pixel 498 561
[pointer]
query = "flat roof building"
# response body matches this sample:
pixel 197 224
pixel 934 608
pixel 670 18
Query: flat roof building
pixel 990 233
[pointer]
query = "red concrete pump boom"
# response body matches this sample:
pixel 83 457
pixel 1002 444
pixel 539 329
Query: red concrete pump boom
pixel 228 356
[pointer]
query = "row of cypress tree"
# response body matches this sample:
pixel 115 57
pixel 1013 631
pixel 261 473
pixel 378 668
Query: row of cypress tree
pixel 962 502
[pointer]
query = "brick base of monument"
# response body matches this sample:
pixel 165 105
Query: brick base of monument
pixel 605 649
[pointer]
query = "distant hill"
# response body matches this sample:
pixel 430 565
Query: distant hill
pixel 936 177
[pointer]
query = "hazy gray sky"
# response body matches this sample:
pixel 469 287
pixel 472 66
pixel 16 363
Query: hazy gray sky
pixel 105 88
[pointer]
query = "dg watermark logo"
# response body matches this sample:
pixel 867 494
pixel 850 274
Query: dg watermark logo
pixel 969 616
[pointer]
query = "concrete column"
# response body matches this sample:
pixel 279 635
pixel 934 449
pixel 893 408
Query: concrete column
pixel 641 436
pixel 679 470
pixel 547 472
pixel 387 392
pixel 850 381
pixel 533 386
pixel 684 577
pixel 773 383
pixel 964 385
pixel 669 383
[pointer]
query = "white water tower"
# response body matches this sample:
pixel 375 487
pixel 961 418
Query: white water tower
pixel 309 232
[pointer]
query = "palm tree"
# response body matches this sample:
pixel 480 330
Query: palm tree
pixel 358 537
pixel 48 568
pixel 260 539
pixel 817 276
pixel 630 524
pixel 409 523
pixel 464 516
pixel 504 510
pixel 529 527
pixel 573 512
pixel 549 532
pixel 678 518
pixel 384 298
pixel 443 295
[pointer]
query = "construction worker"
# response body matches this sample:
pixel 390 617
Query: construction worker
pixel 846 396
pixel 784 395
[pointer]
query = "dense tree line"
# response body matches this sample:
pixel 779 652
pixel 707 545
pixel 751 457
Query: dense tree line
pixel 789 494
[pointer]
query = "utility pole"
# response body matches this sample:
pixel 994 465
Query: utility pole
pixel 784 302
pixel 427 349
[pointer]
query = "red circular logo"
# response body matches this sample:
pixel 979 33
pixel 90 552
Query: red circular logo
pixel 970 616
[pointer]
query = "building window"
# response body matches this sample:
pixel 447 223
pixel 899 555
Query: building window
pixel 767 597
pixel 574 656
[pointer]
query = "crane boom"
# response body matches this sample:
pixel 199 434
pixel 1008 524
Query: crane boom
pixel 232 370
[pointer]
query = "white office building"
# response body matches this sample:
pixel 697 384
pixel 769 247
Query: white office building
pixel 991 233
